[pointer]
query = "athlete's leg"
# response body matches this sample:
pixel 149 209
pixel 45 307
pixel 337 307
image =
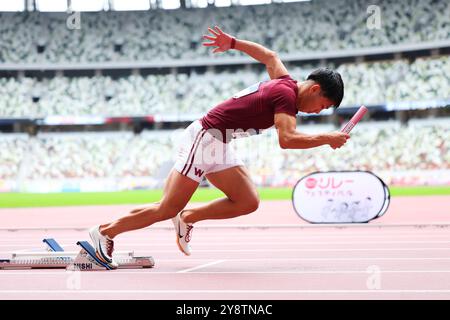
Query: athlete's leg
pixel 150 205
pixel 142 207
pixel 178 191
pixel 242 196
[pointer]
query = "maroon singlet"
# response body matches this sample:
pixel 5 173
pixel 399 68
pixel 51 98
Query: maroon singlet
pixel 254 107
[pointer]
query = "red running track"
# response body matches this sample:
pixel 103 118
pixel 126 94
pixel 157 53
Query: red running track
pixel 386 259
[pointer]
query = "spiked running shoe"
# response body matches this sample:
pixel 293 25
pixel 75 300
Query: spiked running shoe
pixel 104 247
pixel 184 233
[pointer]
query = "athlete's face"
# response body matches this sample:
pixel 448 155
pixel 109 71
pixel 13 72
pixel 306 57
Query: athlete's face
pixel 313 100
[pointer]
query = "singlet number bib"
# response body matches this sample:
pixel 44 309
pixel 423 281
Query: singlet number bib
pixel 252 89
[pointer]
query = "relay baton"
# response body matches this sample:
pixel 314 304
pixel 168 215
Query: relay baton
pixel 355 119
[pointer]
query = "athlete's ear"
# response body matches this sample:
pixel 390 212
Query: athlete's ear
pixel 315 88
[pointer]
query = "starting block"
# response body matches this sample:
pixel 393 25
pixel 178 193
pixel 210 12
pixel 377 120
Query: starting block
pixel 84 260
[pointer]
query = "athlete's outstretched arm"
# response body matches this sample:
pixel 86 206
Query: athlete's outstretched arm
pixel 224 42
pixel 290 138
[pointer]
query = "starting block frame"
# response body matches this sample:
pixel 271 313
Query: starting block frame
pixel 84 260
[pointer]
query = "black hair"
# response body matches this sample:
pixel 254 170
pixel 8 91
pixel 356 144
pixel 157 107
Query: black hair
pixel 331 84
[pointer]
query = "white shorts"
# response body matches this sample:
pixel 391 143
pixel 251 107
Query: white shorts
pixel 199 153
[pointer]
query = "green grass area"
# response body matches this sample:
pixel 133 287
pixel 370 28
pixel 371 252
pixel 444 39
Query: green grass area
pixel 420 191
pixel 15 200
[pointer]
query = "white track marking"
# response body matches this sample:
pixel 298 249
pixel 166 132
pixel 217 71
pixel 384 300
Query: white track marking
pixel 291 272
pixel 246 243
pixel 422 291
pixel 310 250
pixel 271 250
pixel 317 259
pixel 169 260
pixel 141 244
pixel 213 233
pixel 254 235
pixel 262 226
pixel 201 266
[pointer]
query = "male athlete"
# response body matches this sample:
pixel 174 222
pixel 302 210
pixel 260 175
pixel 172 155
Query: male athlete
pixel 275 102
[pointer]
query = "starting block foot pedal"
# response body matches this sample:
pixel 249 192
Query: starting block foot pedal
pixel 53 245
pixel 87 260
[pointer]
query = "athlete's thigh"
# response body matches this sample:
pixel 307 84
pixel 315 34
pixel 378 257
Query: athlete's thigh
pixel 235 182
pixel 178 190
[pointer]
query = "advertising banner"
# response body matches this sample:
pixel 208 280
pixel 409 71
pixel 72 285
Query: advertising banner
pixel 340 197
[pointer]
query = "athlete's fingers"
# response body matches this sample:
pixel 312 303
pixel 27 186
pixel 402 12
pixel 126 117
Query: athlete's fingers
pixel 213 32
pixel 217 50
pixel 209 38
pixel 209 44
pixel 218 30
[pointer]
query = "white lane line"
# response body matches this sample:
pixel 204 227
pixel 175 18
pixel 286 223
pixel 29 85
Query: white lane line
pixel 292 272
pixel 316 250
pixel 172 260
pixel 246 243
pixel 271 250
pixel 284 243
pixel 72 241
pixel 141 232
pixel 169 261
pixel 422 291
pixel 265 234
pixel 201 266
pixel 434 224
pixel 203 243
pixel 274 250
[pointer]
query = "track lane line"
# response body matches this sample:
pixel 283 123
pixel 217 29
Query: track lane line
pixel 201 266
pixel 292 272
pixel 376 291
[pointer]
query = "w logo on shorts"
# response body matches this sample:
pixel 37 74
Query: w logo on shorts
pixel 198 172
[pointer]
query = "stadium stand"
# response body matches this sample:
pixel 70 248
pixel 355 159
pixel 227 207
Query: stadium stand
pixel 375 146
pixel 367 83
pixel 159 35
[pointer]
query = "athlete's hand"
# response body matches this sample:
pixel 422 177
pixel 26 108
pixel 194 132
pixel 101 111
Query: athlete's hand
pixel 337 139
pixel 220 39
